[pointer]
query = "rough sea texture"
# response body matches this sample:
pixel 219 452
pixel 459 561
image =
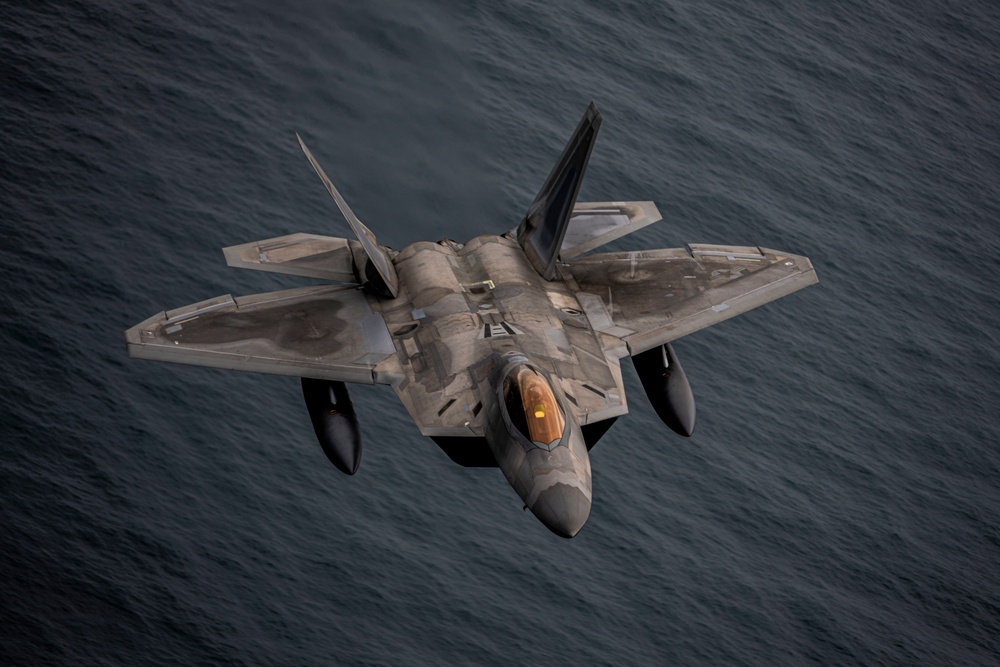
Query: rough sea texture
pixel 839 502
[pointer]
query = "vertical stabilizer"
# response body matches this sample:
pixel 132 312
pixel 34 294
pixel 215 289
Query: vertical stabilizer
pixel 544 225
pixel 386 273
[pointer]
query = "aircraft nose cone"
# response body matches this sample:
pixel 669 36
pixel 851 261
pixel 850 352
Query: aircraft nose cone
pixel 563 509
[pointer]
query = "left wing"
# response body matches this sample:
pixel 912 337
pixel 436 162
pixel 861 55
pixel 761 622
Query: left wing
pixel 648 298
pixel 326 332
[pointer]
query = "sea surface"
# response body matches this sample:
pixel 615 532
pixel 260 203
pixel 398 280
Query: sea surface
pixel 839 503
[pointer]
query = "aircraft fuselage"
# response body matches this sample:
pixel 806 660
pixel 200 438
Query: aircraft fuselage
pixel 462 308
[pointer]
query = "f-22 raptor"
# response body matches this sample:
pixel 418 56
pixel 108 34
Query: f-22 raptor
pixel 504 350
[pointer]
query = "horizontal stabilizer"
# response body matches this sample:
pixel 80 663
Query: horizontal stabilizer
pixel 309 255
pixel 376 254
pixel 593 224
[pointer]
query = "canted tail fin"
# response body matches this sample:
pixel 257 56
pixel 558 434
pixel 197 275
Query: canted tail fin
pixel 377 257
pixel 542 230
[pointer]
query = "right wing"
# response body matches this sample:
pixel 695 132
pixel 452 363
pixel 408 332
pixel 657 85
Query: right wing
pixel 648 298
pixel 326 332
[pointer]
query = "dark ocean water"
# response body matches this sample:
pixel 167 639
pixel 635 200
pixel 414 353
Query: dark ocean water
pixel 839 502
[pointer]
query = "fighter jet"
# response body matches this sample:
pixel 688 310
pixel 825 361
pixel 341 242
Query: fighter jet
pixel 504 350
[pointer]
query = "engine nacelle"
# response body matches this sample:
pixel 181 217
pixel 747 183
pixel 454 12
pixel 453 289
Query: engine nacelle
pixel 335 422
pixel 667 387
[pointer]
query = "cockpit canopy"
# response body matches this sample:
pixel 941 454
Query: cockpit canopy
pixel 532 406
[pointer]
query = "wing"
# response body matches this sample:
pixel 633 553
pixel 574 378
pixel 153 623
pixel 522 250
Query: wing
pixel 323 257
pixel 647 298
pixel 325 331
pixel 593 224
